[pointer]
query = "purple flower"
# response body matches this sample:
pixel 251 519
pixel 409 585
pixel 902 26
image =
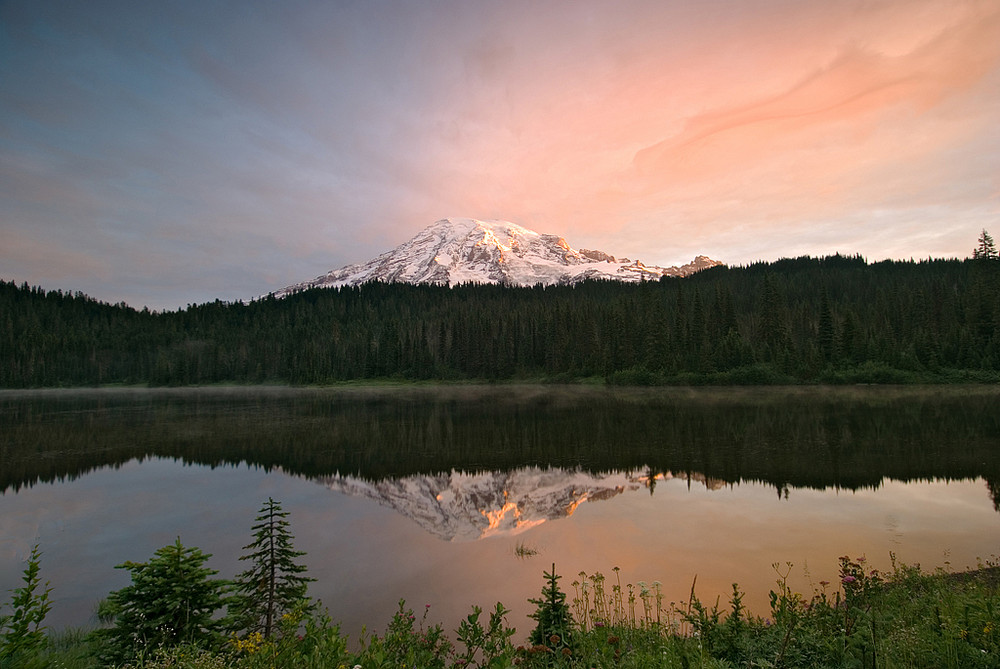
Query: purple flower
pixel 848 579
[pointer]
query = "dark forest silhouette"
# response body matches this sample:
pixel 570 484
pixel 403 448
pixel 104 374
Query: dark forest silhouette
pixel 830 320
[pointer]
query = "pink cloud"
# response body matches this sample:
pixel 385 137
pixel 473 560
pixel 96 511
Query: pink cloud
pixel 856 87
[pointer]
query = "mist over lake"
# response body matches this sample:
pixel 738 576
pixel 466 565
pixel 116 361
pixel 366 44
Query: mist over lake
pixel 430 493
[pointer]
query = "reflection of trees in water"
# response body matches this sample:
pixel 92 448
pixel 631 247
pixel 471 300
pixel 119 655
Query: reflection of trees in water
pixel 811 437
pixel 994 487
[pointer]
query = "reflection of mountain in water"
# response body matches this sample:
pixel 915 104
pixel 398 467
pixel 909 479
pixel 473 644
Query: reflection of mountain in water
pixel 845 438
pixel 463 506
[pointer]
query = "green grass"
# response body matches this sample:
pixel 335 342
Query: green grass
pixel 901 618
pixel 524 551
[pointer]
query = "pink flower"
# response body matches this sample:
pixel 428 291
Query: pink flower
pixel 847 580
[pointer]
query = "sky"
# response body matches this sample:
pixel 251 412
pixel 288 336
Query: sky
pixel 173 153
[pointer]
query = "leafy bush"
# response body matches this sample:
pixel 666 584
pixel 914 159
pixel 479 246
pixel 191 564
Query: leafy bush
pixel 403 645
pixel 488 647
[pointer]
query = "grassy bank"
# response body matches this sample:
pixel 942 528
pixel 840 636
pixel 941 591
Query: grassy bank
pixel 904 617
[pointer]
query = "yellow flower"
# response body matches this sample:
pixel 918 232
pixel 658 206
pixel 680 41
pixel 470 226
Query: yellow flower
pixel 250 644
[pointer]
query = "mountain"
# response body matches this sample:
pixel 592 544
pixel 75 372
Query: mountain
pixel 464 250
pixel 462 506
pixel 459 506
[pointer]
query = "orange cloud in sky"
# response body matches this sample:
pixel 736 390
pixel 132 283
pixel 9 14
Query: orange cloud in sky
pixel 854 87
pixel 285 142
pixel 760 122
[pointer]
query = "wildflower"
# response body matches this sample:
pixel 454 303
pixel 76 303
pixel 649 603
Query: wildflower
pixel 847 580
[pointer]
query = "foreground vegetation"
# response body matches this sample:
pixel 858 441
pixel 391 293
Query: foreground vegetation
pixel 176 614
pixel 814 320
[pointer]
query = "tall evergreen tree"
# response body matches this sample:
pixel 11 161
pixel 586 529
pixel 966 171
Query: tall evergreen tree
pixel 274 584
pixel 985 249
pixel 826 333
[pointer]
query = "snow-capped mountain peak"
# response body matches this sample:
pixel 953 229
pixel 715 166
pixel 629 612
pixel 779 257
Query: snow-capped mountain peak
pixel 453 251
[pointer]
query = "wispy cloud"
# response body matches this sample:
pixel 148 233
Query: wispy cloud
pixel 185 151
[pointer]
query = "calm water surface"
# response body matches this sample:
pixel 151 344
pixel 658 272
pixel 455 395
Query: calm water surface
pixel 426 493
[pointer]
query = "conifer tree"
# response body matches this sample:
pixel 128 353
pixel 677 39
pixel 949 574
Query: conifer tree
pixel 555 623
pixel 827 334
pixel 171 601
pixel 986 249
pixel 22 632
pixel 274 583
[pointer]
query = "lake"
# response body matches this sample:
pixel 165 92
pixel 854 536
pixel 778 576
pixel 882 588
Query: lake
pixel 460 495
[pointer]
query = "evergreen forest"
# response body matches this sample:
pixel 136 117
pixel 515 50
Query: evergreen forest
pixel 835 319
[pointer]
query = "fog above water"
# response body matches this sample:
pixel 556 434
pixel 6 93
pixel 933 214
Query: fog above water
pixel 426 493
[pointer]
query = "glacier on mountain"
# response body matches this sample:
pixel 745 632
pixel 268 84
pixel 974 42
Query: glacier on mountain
pixel 454 251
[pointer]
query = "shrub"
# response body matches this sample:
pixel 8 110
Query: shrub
pixel 171 601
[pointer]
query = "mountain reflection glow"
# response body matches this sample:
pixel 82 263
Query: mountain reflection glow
pixel 424 493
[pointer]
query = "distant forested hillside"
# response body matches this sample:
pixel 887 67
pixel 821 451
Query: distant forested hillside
pixel 831 320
